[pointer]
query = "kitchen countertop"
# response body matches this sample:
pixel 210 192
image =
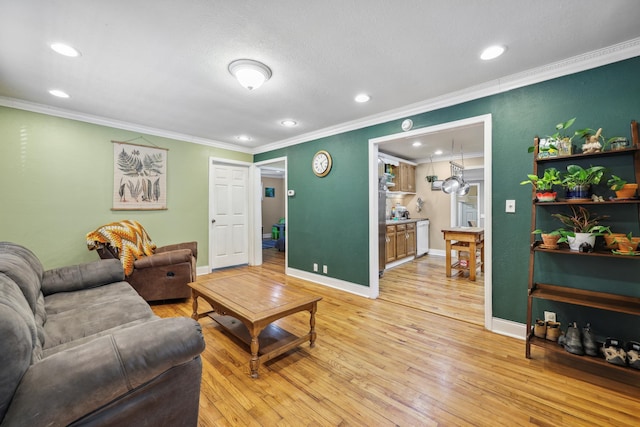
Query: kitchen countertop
pixel 404 221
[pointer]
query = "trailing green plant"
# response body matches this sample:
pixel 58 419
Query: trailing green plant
pixel 561 129
pixel 616 183
pixel 583 221
pixel 576 175
pixel 545 182
pixel 557 232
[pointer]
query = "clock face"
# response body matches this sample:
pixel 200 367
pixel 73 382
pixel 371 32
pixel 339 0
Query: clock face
pixel 321 163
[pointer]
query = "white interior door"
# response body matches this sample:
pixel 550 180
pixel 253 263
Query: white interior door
pixel 228 211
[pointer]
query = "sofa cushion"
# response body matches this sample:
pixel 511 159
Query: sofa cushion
pixel 19 339
pixel 22 273
pixel 79 314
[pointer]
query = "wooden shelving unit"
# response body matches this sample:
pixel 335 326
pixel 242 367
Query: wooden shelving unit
pixel 576 296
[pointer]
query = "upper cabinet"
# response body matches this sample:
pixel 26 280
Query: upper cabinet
pixel 406 180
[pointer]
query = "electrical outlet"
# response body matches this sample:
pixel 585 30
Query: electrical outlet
pixel 510 206
pixel 324 269
pixel 549 316
pixel 315 267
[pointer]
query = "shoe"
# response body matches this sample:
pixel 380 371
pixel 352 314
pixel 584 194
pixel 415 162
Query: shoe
pixel 540 328
pixel 614 353
pixel 589 341
pixel 573 340
pixel 633 354
pixel 553 331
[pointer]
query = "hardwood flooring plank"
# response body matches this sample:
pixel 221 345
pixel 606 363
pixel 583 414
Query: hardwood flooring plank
pixel 418 355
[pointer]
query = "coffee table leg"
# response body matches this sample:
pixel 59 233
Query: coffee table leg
pixel 254 363
pixel 312 324
pixel 194 304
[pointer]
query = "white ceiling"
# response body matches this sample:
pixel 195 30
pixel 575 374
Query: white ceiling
pixel 160 66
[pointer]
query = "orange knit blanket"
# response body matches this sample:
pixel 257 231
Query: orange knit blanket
pixel 128 237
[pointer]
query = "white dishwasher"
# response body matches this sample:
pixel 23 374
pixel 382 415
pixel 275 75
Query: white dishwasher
pixel 422 237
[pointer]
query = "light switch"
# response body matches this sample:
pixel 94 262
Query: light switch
pixel 510 207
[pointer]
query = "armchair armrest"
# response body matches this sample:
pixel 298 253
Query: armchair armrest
pixel 163 258
pixel 82 276
pixel 192 246
pixel 68 385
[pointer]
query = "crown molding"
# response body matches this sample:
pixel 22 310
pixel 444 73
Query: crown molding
pixel 608 55
pixel 97 120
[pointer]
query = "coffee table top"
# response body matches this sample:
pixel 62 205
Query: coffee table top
pixel 252 296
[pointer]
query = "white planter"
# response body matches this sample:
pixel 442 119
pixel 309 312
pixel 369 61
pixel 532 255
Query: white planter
pixel 575 242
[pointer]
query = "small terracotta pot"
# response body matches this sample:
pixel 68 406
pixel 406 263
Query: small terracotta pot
pixel 611 240
pixel 627 192
pixel 550 241
pixel 626 245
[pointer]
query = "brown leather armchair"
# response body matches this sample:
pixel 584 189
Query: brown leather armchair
pixel 162 275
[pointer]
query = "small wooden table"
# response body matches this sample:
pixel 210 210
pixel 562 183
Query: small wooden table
pixel 467 239
pixel 246 305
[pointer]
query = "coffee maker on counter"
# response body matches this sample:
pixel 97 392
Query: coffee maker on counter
pixel 401 212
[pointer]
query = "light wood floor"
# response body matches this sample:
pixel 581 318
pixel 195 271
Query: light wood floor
pixel 385 363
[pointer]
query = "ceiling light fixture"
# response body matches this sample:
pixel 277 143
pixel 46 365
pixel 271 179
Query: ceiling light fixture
pixel 65 49
pixel 59 93
pixel 417 144
pixel 492 52
pixel 289 123
pixel 363 97
pixel 438 152
pixel 243 138
pixel 251 74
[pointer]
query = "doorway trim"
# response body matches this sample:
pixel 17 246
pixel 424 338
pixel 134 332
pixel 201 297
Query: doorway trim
pixel 255 176
pixel 486 121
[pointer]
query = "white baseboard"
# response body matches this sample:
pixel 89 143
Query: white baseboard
pixel 342 285
pixel 202 270
pixel 509 328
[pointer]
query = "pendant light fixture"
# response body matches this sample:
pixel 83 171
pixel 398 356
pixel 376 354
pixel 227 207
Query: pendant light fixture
pixel 251 74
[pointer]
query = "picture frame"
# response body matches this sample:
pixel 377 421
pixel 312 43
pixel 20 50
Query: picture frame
pixel 269 192
pixel 139 177
pixel 436 185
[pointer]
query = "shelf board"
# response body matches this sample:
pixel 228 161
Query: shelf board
pixel 589 202
pixel 596 361
pixel 580 155
pixel 582 297
pixel 596 253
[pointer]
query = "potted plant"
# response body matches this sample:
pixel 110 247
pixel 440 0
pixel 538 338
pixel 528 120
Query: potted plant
pixel 627 244
pixel 584 225
pixel 551 239
pixel 611 240
pixel 561 139
pixel 623 189
pixel 543 185
pixel 577 181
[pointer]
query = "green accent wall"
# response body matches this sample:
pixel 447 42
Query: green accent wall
pixel 328 216
pixel 56 182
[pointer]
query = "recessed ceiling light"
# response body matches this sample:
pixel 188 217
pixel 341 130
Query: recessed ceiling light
pixel 492 52
pixel 243 138
pixel 417 144
pixel 59 93
pixel 363 97
pixel 289 123
pixel 438 152
pixel 65 49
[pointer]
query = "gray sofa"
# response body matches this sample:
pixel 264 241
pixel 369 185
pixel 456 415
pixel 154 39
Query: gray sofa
pixel 81 347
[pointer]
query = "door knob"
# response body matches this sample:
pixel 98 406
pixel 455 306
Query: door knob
pixel 213 221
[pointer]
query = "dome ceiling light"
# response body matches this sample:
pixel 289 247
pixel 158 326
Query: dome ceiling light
pixel 251 74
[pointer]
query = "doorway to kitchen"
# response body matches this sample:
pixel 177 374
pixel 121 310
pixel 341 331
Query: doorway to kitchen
pixel 422 276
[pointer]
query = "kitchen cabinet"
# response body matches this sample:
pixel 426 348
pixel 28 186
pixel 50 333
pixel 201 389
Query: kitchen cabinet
pixel 406 178
pixel 573 293
pixel 390 248
pixel 401 241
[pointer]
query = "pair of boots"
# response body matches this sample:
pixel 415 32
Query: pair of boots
pixel 579 343
pixel 547 330
pixel 616 354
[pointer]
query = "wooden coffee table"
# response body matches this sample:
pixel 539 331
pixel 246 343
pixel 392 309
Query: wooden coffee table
pixel 246 305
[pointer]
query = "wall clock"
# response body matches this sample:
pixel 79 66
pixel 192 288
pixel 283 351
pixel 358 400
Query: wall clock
pixel 321 164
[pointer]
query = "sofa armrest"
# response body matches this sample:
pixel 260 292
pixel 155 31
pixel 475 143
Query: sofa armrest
pixel 192 246
pixel 82 276
pixel 163 258
pixel 68 385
